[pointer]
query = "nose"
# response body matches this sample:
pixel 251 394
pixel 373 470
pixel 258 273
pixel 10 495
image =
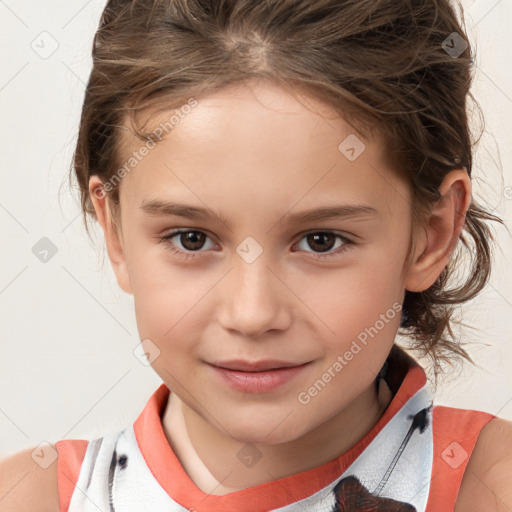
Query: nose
pixel 254 300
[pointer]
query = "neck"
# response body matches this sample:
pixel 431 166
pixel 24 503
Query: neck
pixel 209 457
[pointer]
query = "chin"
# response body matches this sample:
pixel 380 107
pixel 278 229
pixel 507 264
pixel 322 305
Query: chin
pixel 266 430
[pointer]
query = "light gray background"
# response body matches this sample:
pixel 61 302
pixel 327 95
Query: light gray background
pixel 68 332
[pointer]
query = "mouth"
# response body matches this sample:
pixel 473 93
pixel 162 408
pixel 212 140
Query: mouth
pixel 256 366
pixel 257 376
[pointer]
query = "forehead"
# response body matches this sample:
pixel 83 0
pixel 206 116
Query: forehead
pixel 258 135
pixel 245 109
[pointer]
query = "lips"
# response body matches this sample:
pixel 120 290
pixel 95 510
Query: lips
pixel 255 366
pixel 262 376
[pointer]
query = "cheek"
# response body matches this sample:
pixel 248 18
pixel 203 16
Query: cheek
pixel 355 295
pixel 170 304
pixel 161 290
pixel 358 312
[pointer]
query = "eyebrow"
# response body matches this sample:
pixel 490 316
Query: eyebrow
pixel 155 207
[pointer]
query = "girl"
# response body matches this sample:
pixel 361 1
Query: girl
pixel 284 187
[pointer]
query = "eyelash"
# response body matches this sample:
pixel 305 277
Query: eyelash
pixel 166 240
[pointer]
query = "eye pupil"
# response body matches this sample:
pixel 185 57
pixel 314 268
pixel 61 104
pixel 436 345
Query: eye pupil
pixel 318 238
pixel 192 237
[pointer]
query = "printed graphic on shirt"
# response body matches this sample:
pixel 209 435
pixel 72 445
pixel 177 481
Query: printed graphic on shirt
pixel 351 494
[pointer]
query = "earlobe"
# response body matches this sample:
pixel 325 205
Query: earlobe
pixel 441 232
pixel 114 245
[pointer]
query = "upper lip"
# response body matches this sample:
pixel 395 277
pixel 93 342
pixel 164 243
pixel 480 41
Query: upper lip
pixel 255 366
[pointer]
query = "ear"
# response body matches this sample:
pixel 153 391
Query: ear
pixel 436 243
pixel 114 244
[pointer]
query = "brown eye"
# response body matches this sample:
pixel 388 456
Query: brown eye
pixel 187 243
pixel 321 241
pixel 192 240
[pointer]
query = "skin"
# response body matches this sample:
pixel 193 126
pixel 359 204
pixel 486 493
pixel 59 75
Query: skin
pixel 253 154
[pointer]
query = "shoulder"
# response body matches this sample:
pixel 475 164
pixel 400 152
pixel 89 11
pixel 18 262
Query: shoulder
pixel 486 481
pixel 25 485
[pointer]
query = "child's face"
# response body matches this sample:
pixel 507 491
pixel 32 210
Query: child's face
pixel 257 288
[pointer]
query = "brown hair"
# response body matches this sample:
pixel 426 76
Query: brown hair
pixel 400 66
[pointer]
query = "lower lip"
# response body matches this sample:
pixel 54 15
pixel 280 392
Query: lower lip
pixel 258 382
